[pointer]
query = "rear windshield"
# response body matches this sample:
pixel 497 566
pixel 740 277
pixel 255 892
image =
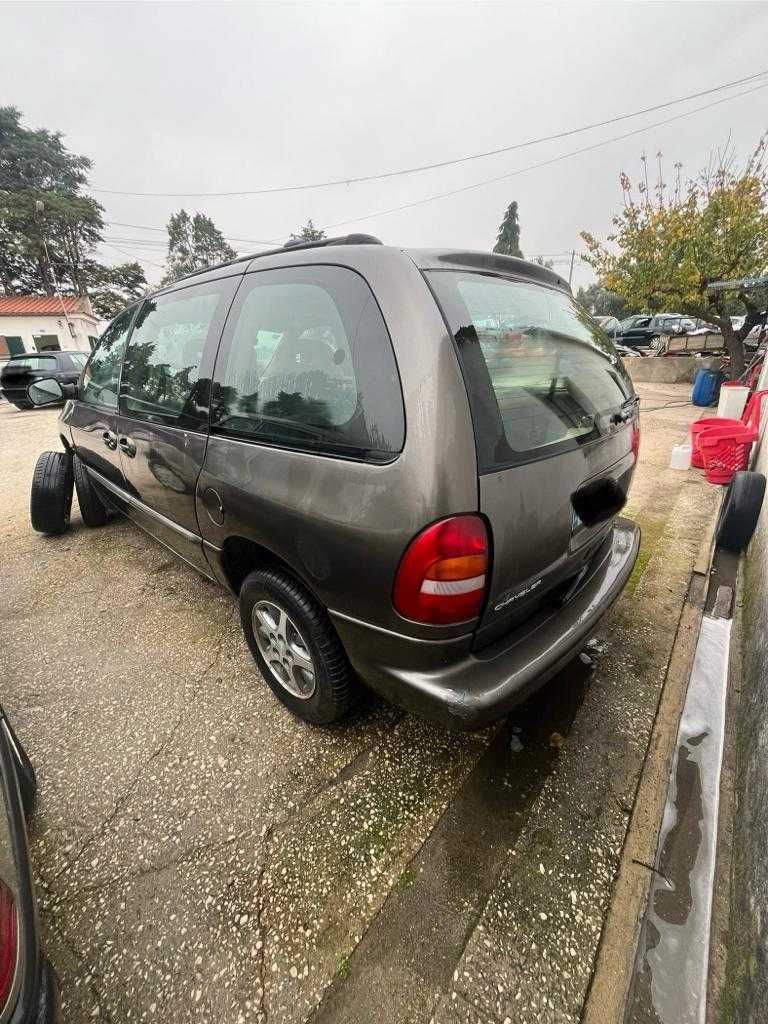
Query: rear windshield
pixel 32 363
pixel 541 375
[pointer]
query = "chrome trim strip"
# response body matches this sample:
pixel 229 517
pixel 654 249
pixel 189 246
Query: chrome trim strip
pixel 400 636
pixel 129 499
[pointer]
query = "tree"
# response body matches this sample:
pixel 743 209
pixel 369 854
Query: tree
pixel 599 301
pixel 114 288
pixel 508 239
pixel 48 225
pixel 309 233
pixel 547 264
pixel 672 246
pixel 194 243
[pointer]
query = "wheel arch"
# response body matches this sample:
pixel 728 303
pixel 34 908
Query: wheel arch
pixel 240 556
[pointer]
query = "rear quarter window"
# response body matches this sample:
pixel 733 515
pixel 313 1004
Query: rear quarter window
pixel 307 363
pixel 540 374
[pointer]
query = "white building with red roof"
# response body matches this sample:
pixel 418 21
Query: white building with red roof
pixel 38 323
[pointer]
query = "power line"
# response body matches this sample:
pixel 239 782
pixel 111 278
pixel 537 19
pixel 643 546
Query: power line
pixel 133 256
pixel 487 181
pixel 433 166
pixel 146 227
pixel 543 163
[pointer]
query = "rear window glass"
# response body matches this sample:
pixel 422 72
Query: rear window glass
pixel 32 363
pixel 541 375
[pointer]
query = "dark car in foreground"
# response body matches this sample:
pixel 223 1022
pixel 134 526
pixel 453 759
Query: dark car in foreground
pixel 28 988
pixel 22 370
pixel 407 465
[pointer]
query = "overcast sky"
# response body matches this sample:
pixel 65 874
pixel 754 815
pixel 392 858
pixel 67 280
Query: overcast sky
pixel 203 98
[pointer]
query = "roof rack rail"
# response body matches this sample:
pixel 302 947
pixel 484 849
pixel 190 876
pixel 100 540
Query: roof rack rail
pixel 299 243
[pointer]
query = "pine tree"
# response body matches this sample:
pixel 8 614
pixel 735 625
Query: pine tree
pixel 194 243
pixel 309 233
pixel 508 240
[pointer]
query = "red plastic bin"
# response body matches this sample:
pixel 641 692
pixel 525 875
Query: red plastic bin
pixel 750 418
pixel 725 451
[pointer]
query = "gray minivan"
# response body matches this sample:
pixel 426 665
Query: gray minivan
pixel 407 465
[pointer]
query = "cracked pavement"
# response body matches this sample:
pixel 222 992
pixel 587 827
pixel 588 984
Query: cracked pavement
pixel 201 855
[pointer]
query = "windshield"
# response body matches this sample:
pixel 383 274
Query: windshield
pixel 540 373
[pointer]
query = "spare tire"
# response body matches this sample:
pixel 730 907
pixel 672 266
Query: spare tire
pixel 740 511
pixel 91 508
pixel 51 500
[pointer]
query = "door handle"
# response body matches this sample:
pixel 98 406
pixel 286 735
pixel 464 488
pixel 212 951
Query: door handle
pixel 127 446
pixel 109 439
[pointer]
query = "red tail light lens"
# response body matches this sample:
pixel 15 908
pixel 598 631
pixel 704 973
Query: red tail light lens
pixel 441 578
pixel 9 939
pixel 636 438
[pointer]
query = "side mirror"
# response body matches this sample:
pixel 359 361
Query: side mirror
pixel 47 391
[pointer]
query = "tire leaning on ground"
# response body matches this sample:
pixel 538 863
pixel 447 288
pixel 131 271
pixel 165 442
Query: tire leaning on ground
pixel 91 508
pixel 740 511
pixel 296 647
pixel 51 499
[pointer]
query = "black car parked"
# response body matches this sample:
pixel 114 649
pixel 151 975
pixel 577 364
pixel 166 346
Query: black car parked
pixel 28 987
pixel 640 331
pixel 22 370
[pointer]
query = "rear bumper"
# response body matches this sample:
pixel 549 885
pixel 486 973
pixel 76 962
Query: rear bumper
pixel 447 682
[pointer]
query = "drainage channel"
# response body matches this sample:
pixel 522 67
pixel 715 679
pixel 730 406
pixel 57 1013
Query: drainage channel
pixel 406 959
pixel 671 969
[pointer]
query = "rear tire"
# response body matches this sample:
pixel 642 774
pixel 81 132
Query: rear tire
pixel 91 509
pixel 331 689
pixel 740 511
pixel 51 499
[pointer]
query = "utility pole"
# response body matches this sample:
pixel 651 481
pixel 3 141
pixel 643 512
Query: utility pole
pixel 39 209
pixel 570 272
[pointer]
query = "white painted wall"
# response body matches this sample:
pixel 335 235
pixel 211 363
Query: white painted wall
pixel 26 327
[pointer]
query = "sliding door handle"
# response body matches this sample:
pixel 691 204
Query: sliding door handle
pixel 109 439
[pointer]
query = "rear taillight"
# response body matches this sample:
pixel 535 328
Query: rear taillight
pixel 442 575
pixel 9 940
pixel 636 438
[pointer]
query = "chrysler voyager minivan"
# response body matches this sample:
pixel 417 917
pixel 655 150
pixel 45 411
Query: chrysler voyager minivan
pixel 408 466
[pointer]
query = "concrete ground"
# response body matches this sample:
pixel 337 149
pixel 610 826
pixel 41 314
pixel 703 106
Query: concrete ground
pixel 201 855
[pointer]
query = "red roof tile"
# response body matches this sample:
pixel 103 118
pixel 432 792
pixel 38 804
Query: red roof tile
pixel 37 305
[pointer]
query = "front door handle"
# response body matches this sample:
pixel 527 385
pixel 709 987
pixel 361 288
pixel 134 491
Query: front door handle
pixel 109 439
pixel 127 446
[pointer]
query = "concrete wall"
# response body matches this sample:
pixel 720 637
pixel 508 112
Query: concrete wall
pixel 745 996
pixel 667 369
pixel 27 327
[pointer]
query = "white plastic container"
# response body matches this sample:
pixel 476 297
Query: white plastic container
pixel 733 398
pixel 681 456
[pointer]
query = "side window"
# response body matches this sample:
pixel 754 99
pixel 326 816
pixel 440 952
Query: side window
pixel 308 364
pixel 162 365
pixel 101 378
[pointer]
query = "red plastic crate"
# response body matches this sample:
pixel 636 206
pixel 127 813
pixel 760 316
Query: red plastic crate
pixel 750 418
pixel 725 451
